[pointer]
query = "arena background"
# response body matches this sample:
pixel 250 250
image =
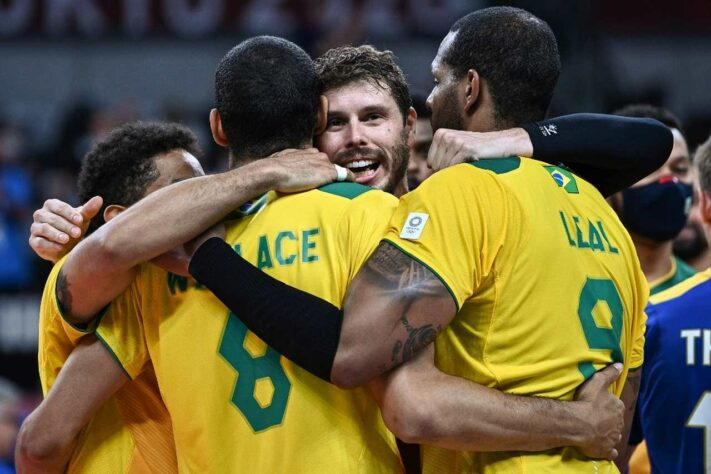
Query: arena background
pixel 70 70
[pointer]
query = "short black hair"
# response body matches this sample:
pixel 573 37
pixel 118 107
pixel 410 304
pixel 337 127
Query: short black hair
pixel 516 53
pixel 121 167
pixel 267 94
pixel 650 111
pixel 345 65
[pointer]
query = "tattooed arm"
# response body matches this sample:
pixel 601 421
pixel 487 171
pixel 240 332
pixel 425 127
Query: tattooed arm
pixel 394 308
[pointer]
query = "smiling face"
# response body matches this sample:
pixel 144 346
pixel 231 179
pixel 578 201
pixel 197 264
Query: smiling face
pixel 367 134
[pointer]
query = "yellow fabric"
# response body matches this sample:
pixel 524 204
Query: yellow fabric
pixel 131 432
pixel 518 251
pixel 639 462
pixel 282 419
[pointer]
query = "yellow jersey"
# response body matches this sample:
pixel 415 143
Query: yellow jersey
pixel 131 432
pixel 547 284
pixel 236 404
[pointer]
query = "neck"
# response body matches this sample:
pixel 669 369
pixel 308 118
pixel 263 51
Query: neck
pixel 655 258
pixel 401 189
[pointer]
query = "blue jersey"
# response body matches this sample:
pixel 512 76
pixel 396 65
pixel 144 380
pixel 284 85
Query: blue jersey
pixel 674 407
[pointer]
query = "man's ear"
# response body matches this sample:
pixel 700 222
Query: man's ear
pixel 218 134
pixel 321 115
pixel 705 207
pixel 411 126
pixel 112 211
pixel 471 92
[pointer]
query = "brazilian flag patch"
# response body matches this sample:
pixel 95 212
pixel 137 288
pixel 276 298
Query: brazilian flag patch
pixel 563 178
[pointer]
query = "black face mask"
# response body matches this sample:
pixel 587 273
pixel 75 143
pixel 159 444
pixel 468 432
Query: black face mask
pixel 657 210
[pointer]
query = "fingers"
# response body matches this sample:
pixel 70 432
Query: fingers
pixel 50 232
pixel 609 374
pixel 45 249
pixel 61 209
pixel 91 208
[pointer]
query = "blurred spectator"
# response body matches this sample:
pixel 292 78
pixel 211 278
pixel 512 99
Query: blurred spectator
pixel 691 244
pixel 9 424
pixel 655 209
pixel 16 205
pixel 675 391
pixel 417 169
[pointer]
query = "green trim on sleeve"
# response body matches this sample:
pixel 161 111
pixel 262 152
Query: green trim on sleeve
pixel 90 327
pixel 456 302
pixel 347 190
pixel 113 354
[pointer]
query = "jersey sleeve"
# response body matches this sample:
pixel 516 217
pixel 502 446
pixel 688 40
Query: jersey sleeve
pixel 51 304
pixel 121 330
pixel 453 224
pixel 363 225
pixel 639 323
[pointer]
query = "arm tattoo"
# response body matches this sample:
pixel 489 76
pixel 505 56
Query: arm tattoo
pixel 405 281
pixel 63 294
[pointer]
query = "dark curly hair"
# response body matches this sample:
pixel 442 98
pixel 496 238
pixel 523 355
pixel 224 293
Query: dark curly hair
pixel 121 167
pixel 516 53
pixel 267 94
pixel 345 65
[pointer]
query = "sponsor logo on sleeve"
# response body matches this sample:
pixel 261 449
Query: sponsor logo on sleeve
pixel 414 225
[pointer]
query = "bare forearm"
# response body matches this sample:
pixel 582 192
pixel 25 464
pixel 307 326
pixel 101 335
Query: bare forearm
pixel 47 436
pixel 455 413
pixel 104 264
pixel 171 216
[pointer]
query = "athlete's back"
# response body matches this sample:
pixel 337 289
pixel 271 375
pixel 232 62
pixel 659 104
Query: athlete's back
pixel 236 404
pixel 547 283
pixel 674 406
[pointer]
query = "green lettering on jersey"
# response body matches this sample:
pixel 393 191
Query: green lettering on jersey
pixel 250 370
pixel 603 336
pixel 279 251
pixel 604 236
pixel 579 234
pixel 571 242
pixel 264 257
pixel 594 238
pixel 238 249
pixel 307 245
pixel 177 283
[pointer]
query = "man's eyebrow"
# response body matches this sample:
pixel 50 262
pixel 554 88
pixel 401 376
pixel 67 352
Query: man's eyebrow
pixel 374 108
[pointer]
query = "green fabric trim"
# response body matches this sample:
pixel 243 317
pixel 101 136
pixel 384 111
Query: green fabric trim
pixel 346 190
pixel 498 165
pixel 456 303
pixel 113 354
pixel 683 271
pixel 89 327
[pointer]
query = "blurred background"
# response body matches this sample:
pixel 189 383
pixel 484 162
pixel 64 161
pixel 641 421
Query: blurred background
pixel 71 70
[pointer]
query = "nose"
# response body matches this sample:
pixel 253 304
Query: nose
pixel 428 102
pixel 355 137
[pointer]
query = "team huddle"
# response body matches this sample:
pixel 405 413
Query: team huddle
pixel 302 312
